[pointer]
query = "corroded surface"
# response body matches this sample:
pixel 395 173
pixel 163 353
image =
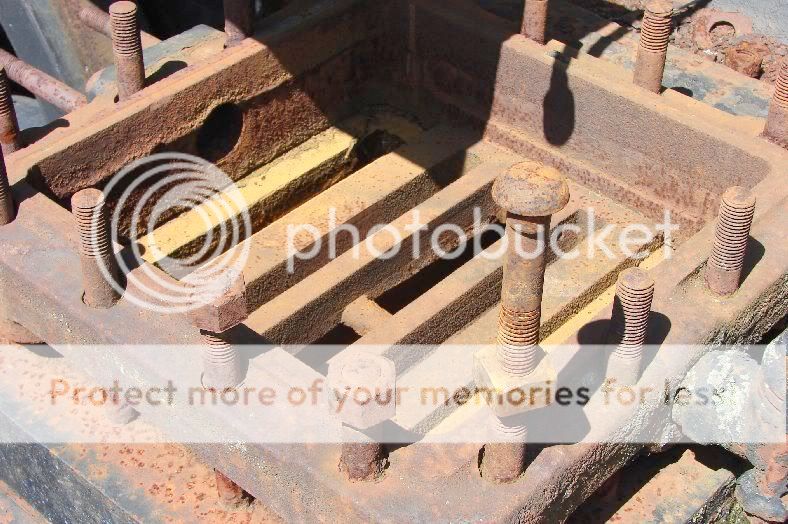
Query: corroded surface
pixel 652 152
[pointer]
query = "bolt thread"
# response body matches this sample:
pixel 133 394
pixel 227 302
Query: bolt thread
pixel 657 26
pixel 733 230
pixel 96 19
pixel 518 336
pixel 511 433
pixel 16 69
pixel 90 212
pixel 781 87
pixel 219 351
pixel 125 31
pixel 9 125
pixel 631 310
pixel 6 102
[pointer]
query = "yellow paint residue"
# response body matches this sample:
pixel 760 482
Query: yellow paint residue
pixel 264 182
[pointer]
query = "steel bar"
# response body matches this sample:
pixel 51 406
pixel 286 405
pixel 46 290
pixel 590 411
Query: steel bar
pixel 41 84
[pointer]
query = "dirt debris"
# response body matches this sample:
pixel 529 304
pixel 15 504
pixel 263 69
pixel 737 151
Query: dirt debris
pixel 723 37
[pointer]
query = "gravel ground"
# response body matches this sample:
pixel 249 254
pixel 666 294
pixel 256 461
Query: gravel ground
pixel 753 54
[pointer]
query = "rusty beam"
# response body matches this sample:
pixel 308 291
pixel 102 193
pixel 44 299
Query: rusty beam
pixel 41 84
pixel 274 81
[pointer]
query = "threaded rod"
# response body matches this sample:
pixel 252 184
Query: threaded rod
pixel 99 267
pixel 653 47
pixel 127 48
pixel 9 125
pixel 724 267
pixel 777 121
pixel 221 362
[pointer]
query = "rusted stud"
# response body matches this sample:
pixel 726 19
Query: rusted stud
pixel 777 120
pixel 221 363
pixel 629 324
pixel 99 21
pixel 230 493
pixel 530 193
pixel 724 267
pixel 6 198
pixel 9 126
pixel 368 382
pixel 361 459
pixel 504 460
pixel 95 249
pixel 631 309
pixel 41 84
pixel 535 20
pixel 653 48
pixel 238 21
pixel 127 48
pixel 222 367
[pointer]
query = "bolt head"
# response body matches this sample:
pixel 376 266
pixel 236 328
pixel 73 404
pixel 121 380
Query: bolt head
pixel 531 189
pixel 495 384
pixel 225 311
pixel 362 388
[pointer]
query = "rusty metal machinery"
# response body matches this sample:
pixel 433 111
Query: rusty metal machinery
pixel 375 110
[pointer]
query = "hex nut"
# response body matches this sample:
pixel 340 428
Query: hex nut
pixel 361 388
pixel 531 189
pixel 509 394
pixel 226 311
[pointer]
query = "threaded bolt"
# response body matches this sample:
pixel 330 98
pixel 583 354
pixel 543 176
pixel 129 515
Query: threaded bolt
pixel 99 21
pixel 6 198
pixel 530 193
pixel 777 121
pixel 631 309
pixel 221 363
pixel 9 126
pixel 360 458
pixel 518 336
pixel 653 48
pixel 535 20
pixel 238 21
pixel 724 267
pixel 99 267
pixel 504 459
pixel 127 48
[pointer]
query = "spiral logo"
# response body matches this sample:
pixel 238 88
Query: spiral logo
pixel 161 187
